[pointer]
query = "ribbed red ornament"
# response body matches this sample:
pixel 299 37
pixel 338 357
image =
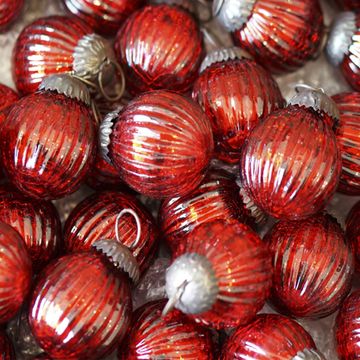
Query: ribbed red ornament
pixel 348 137
pixel 162 144
pixel 270 336
pixel 313 266
pixel 46 47
pixel 7 98
pixel 235 94
pixel 171 337
pixel 291 164
pixel 80 308
pixel 48 144
pixel 94 219
pixel 36 221
pixel 160 47
pixel 282 35
pixel 353 232
pixel 349 4
pixel 9 11
pixel 104 16
pixel 6 348
pixel 15 272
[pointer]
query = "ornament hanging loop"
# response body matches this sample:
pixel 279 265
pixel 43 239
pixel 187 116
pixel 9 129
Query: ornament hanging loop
pixel 170 305
pixel 138 225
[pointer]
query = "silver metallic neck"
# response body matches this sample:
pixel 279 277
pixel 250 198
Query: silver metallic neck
pixel 188 5
pixel 340 37
pixel 308 354
pixel 233 14
pixel 67 85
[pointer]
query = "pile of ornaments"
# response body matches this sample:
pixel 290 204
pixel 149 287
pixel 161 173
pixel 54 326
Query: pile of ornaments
pixel 125 96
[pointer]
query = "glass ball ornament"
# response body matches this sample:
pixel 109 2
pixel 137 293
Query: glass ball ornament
pixel 353 232
pixel 9 11
pixel 6 348
pixel 7 98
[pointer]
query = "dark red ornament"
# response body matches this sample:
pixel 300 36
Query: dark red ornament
pixel 291 163
pixel 95 219
pixel 313 266
pixel 6 348
pixel 349 4
pixel 270 336
pixel 9 11
pixel 161 143
pixel 171 337
pixel 7 98
pixel 348 137
pixel 15 272
pixel 353 232
pixel 104 16
pixel 160 47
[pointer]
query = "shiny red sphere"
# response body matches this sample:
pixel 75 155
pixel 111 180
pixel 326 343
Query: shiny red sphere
pixel 270 336
pixel 160 47
pixel 9 11
pixel 6 348
pixel 104 16
pixel 80 308
pixel 313 266
pixel 281 35
pixel 349 4
pixel 291 163
pixel 95 217
pixel 353 232
pixel 161 143
pixel 7 98
pixel 242 266
pixel 171 337
pixel 48 144
pixel 15 272
pixel 235 95
pixel 45 47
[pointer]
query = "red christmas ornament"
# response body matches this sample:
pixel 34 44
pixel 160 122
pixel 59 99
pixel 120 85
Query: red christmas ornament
pixel 348 137
pixel 347 328
pixel 233 106
pixel 7 98
pixel 281 35
pixel 353 232
pixel 48 139
pixel 221 274
pixel 104 16
pixel 161 143
pixel 313 266
pixel 270 336
pixel 95 219
pixel 343 46
pixel 171 337
pixel 160 47
pixel 349 4
pixel 291 164
pixel 9 11
pixel 15 272
pixel 6 348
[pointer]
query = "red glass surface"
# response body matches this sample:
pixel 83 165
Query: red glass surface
pixel 313 266
pixel 36 221
pixel 7 98
pixel 216 198
pixel 353 232
pixel 172 337
pixel 160 47
pixel 269 337
pixel 349 4
pixel 348 137
pixel 80 308
pixel 282 35
pixel 48 144
pixel 15 272
pixel 235 95
pixel 161 143
pixel 347 328
pixel 94 219
pixel 242 266
pixel 6 347
pixel 291 164
pixel 9 11
pixel 104 16
pixel 45 47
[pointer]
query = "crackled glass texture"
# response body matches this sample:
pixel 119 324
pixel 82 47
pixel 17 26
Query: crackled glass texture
pixel 94 219
pixel 15 272
pixel 313 266
pixel 282 35
pixel 353 232
pixel 270 336
pixel 291 164
pixel 242 266
pixel 161 143
pixel 171 337
pixel 6 347
pixel 235 94
pixel 45 47
pixel 160 47
pixel 48 144
pixel 80 308
pixel 348 137
pixel 104 16
pixel 7 98
pixel 9 11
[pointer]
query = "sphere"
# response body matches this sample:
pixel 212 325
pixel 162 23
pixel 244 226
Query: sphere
pixel 7 98
pixel 6 348
pixel 353 232
pixel 9 11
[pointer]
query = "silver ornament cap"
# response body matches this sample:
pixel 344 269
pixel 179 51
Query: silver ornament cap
pixel 191 284
pixel 67 85
pixel 308 354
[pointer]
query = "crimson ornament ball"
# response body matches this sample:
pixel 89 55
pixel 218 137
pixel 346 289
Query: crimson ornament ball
pixel 353 232
pixel 6 348
pixel 291 163
pixel 7 98
pixel 9 11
